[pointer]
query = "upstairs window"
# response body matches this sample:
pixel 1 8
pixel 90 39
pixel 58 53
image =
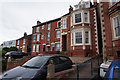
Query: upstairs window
pixel 48 36
pixel 116 25
pixel 86 17
pixel 114 1
pixel 38 37
pixel 23 41
pixel 58 24
pixel 64 23
pixel 23 49
pixel 78 37
pixel 34 38
pixel 58 34
pixel 42 26
pixel 37 29
pixel 78 18
pixel 49 26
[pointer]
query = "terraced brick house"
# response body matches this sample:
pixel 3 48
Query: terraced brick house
pixel 75 33
pixel 24 43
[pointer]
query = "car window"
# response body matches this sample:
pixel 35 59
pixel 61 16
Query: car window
pixel 54 60
pixel 63 59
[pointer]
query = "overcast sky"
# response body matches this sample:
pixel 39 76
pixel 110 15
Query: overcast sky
pixel 18 16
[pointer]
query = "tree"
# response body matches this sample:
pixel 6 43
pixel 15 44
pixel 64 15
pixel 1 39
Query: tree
pixel 13 49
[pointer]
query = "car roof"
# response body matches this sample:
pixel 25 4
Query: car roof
pixel 53 55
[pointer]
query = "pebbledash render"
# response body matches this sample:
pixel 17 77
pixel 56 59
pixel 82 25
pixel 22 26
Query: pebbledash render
pixel 110 27
pixel 75 33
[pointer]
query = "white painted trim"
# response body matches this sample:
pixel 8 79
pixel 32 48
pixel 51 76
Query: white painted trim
pixel 43 44
pixel 57 42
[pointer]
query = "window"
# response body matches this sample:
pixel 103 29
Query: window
pixel 58 34
pixel 38 37
pixel 23 41
pixel 86 17
pixel 37 48
pixel 34 38
pixel 78 18
pixel 23 48
pixel 42 37
pixel 58 24
pixel 48 36
pixel 18 42
pixel 53 46
pixel 116 26
pixel 42 26
pixel 86 37
pixel 64 23
pixel 57 46
pixel 63 59
pixel 78 37
pixel 72 38
pixel 18 47
pixel 49 26
pixel 33 48
pixel 37 29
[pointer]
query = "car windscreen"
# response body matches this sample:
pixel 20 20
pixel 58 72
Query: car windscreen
pixel 35 62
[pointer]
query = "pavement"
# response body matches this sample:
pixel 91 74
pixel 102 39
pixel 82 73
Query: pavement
pixel 77 59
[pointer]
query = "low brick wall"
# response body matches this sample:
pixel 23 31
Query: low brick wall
pixel 16 63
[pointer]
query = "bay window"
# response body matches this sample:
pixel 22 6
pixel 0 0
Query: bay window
pixel 38 37
pixel 33 48
pixel 86 17
pixel 34 38
pixel 37 29
pixel 86 37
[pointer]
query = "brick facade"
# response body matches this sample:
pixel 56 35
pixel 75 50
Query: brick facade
pixel 110 37
pixel 69 30
pixel 24 43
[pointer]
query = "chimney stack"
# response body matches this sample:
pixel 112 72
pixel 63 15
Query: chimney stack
pixel 25 34
pixel 70 9
pixel 38 22
pixel 95 2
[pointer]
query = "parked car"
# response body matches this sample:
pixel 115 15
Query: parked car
pixel 15 54
pixel 113 71
pixel 36 68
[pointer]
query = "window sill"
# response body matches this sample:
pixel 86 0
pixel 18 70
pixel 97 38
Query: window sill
pixel 117 38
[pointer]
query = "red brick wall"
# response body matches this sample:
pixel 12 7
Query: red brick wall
pixel 14 64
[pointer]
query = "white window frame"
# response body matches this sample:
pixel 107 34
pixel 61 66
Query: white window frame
pixel 49 26
pixel 88 36
pixel 33 50
pixel 114 30
pixel 38 37
pixel 37 48
pixel 42 26
pixel 87 16
pixel 37 30
pixel 75 18
pixel 73 38
pixel 24 41
pixel 57 34
pixel 64 23
pixel 81 37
